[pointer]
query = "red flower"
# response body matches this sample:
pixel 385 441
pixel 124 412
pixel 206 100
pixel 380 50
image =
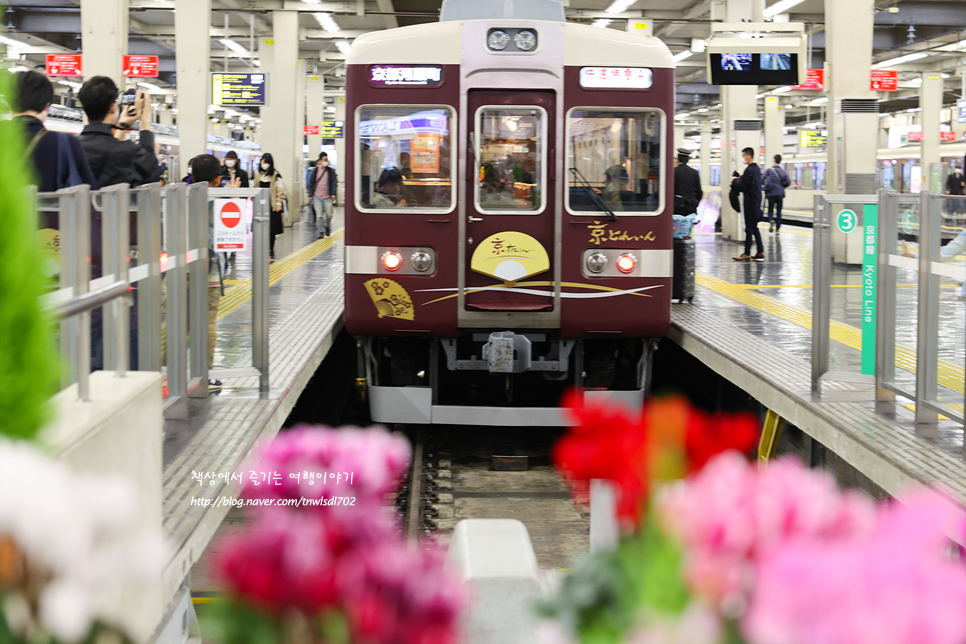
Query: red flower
pixel 709 436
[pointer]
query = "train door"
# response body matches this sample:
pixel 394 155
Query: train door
pixel 510 202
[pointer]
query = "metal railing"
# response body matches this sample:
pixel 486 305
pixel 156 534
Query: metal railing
pixel 168 255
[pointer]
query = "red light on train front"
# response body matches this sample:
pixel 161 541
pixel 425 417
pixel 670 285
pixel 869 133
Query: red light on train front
pixel 626 263
pixel 392 260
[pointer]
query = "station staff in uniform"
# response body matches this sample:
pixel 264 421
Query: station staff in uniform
pixel 687 185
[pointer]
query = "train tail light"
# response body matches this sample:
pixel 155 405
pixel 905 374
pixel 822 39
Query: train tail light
pixel 626 263
pixel 392 261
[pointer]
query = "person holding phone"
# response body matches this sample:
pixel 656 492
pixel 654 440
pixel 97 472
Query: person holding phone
pixel 112 157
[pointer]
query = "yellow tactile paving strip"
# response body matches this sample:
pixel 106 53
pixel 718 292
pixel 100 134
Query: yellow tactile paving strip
pixel 950 375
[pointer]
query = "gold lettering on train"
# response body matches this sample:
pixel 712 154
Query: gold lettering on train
pixel 599 234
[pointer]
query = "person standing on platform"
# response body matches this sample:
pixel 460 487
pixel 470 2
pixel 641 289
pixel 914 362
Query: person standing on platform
pixel 269 177
pixel 749 184
pixel 113 158
pixel 956 187
pixel 776 180
pixel 687 185
pixel 323 186
pixel 231 171
pixel 55 167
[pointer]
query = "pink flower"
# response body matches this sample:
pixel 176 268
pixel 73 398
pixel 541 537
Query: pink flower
pixel 897 587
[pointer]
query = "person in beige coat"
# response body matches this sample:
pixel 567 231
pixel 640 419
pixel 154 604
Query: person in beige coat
pixel 268 177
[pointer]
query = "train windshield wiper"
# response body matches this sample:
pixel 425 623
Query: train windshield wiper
pixel 596 198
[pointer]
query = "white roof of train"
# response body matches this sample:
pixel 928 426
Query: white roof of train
pixel 438 43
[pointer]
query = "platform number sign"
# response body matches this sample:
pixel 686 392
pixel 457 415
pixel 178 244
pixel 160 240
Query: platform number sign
pixel 870 267
pixel 846 221
pixel 908 222
pixel 231 232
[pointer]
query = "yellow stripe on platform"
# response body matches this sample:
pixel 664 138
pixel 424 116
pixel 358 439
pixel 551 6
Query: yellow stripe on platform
pixel 951 375
pixel 242 293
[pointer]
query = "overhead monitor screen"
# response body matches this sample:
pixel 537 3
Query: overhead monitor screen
pixel 754 69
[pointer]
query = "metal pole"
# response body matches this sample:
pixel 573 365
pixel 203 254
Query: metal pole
pixel 821 295
pixel 149 289
pixel 177 315
pixel 885 354
pixel 115 240
pixel 260 321
pixel 75 214
pixel 198 291
pixel 927 343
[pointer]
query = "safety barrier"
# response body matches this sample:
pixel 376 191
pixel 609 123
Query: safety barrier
pixel 164 265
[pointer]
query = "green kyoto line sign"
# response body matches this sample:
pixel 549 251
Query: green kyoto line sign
pixel 870 229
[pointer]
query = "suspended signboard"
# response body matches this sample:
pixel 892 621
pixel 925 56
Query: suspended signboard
pixel 814 138
pixel 141 67
pixel 239 90
pixel 961 104
pixel 311 130
pixel 883 80
pixel 65 65
pixel 814 81
pixel 333 129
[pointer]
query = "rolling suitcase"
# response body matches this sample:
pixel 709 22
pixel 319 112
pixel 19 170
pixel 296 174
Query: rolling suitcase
pixel 683 281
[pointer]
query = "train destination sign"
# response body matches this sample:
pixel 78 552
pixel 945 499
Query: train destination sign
pixel 616 77
pixel 394 75
pixel 140 67
pixel 243 90
pixel 65 65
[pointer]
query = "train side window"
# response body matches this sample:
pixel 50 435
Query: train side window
pixel 510 159
pixel 618 154
pixel 404 159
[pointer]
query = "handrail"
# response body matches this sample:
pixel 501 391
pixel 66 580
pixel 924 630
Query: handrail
pixel 91 300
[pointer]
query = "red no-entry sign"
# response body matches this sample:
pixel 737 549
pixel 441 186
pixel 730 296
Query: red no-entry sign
pixel 230 233
pixel 231 214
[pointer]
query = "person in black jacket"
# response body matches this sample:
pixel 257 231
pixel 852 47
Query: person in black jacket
pixel 231 169
pixel 53 169
pixel 113 158
pixel 687 185
pixel 749 184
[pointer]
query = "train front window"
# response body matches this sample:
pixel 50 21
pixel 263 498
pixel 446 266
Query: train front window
pixel 614 159
pixel 509 162
pixel 404 159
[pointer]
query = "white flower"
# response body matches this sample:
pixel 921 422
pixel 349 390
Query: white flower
pixel 64 611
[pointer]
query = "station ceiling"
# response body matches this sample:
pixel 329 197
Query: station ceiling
pixel 901 26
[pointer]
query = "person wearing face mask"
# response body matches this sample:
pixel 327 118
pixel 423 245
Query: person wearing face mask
pixel 113 158
pixel 231 170
pixel 268 177
pixel 387 190
pixel 323 186
pixel 188 178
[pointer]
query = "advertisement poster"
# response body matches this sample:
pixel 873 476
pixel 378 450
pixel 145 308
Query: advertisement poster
pixel 814 81
pixel 65 65
pixel 884 81
pixel 425 153
pixel 140 67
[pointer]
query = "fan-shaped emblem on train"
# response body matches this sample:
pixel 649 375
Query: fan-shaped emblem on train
pixel 510 257
pixel 390 299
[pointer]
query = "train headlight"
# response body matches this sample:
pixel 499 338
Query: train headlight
pixel 525 40
pixel 421 261
pixel 392 260
pixel 626 263
pixel 498 40
pixel 597 262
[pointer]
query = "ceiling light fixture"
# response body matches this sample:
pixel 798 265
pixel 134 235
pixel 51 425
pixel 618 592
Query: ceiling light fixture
pixel 682 56
pixel 326 21
pixel 10 42
pixel 781 90
pixel 602 22
pixel 781 6
pixel 683 115
pixel 908 58
pixel 343 46
pixel 619 6
pixel 234 46
pixel 150 87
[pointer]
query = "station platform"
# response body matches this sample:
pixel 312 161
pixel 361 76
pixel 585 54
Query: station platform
pixel 305 308
pixel 750 322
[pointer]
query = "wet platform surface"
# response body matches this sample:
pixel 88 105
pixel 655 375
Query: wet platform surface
pixel 305 310
pixel 753 321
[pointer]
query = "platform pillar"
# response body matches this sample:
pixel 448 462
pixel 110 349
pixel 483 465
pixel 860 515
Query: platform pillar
pixel 104 26
pixel 192 20
pixel 299 196
pixel 341 150
pixel 853 129
pixel 740 128
pixel 705 155
pixel 774 129
pixel 280 60
pixel 679 131
pixel 315 111
pixel 931 102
